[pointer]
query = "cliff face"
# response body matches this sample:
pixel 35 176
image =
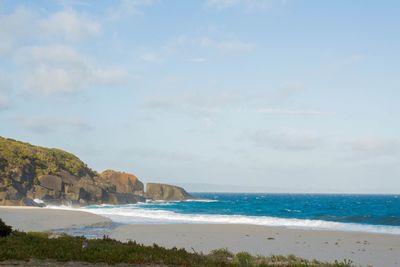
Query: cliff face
pixel 165 192
pixel 30 172
pixel 124 182
pixel 55 176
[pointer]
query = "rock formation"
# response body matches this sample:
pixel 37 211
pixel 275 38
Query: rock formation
pixel 124 182
pixel 165 192
pixel 30 172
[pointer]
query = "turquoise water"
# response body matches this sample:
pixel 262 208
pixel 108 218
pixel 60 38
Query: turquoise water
pixel 370 213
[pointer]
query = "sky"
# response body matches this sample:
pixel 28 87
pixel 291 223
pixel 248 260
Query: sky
pixel 215 95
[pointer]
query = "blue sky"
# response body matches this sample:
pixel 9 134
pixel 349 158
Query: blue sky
pixel 243 95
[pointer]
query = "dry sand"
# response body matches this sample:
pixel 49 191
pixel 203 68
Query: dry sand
pixel 362 248
pixel 42 219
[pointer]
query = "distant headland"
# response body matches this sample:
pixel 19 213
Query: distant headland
pixel 30 173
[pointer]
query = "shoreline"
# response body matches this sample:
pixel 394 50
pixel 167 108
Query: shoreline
pixel 328 245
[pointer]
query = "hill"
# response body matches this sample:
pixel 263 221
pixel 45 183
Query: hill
pixel 29 172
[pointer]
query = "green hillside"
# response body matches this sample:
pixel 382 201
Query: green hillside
pixel 23 162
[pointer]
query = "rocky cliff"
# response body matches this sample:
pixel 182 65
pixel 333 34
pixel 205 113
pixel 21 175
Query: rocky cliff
pixel 30 172
pixel 165 192
pixel 124 182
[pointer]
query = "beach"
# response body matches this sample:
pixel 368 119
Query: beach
pixel 30 219
pixel 362 248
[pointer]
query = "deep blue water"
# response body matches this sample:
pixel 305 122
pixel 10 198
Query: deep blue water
pixel 364 209
pixel 375 213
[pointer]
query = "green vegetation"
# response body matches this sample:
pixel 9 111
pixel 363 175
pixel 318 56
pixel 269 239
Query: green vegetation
pixel 5 230
pixel 41 246
pixel 25 162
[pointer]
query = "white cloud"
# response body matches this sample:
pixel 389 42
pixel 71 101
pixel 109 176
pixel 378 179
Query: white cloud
pixel 15 26
pixel 45 125
pixel 109 75
pixel 199 102
pixel 278 111
pixel 374 147
pixel 60 69
pixel 287 139
pixel 181 44
pixel 150 57
pixel 193 103
pixel 126 8
pixel 39 47
pixel 52 55
pixel 27 25
pixel 49 80
pixel 70 25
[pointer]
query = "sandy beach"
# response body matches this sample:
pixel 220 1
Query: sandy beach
pixel 42 219
pixel 362 248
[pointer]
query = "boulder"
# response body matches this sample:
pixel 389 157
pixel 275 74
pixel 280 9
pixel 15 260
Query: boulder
pixel 157 191
pixel 91 191
pixel 67 178
pixel 44 193
pixel 51 182
pixel 10 193
pixel 124 198
pixel 124 182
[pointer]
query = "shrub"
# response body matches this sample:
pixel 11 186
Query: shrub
pixel 39 246
pixel 245 259
pixel 222 255
pixel 5 230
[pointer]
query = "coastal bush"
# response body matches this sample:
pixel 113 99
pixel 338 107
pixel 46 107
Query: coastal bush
pixel 222 255
pixel 5 230
pixel 245 259
pixel 64 248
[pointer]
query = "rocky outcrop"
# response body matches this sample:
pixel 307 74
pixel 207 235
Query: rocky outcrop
pixel 124 198
pixel 157 191
pixel 67 189
pixel 124 182
pixel 54 176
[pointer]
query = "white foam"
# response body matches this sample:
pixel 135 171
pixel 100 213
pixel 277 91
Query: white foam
pixel 177 201
pixel 201 200
pixel 39 201
pixel 133 214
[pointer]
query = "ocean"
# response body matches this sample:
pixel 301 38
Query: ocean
pixel 365 213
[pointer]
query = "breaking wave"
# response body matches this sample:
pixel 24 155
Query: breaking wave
pixel 133 214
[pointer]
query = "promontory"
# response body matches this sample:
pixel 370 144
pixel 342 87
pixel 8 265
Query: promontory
pixel 33 176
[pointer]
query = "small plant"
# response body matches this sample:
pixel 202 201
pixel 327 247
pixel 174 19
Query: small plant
pixel 64 248
pixel 344 263
pixel 222 255
pixel 5 230
pixel 245 259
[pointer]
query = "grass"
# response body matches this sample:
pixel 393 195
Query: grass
pixel 41 246
pixel 33 161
